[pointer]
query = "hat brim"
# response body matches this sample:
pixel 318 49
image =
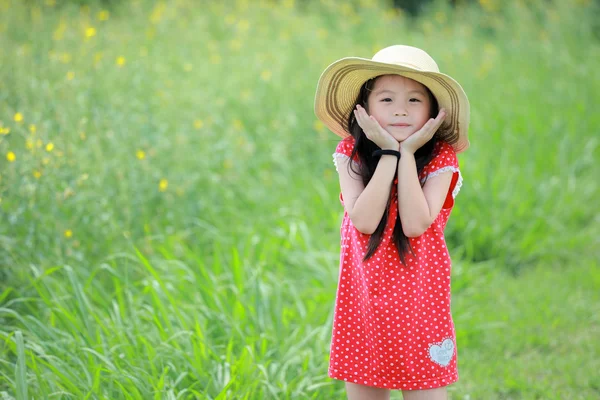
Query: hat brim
pixel 340 84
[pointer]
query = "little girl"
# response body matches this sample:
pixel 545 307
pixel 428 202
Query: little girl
pixel 402 124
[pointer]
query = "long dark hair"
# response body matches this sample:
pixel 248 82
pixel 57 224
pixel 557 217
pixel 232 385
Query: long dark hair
pixel 364 148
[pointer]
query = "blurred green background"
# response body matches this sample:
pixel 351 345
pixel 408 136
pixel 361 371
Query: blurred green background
pixel 169 214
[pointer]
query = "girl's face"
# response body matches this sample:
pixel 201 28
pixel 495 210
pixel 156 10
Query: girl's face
pixel 400 105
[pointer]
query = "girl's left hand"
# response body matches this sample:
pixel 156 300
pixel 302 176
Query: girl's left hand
pixel 423 135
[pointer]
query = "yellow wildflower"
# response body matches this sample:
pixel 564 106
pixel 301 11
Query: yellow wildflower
pixel 18 117
pixel 238 125
pixel 32 129
pixel 266 75
pixel 120 61
pixel 103 15
pixel 70 75
pixel 60 30
pixel 198 124
pixel 235 44
pixel 50 147
pixel 319 126
pixel 140 154
pixel 90 32
pixel 65 58
pixel 4 131
pixel 37 174
pixel 11 157
pixel 98 57
pixel 68 233
pixel 489 5
pixel 243 25
pixel 246 94
pixel 163 184
pixel 230 19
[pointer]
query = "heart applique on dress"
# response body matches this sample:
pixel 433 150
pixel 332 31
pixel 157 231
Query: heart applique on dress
pixel 442 353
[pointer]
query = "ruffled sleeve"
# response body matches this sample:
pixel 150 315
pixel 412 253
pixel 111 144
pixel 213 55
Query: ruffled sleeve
pixel 344 150
pixel 445 160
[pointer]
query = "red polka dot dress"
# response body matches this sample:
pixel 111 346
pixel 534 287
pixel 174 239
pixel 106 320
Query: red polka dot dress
pixel 392 324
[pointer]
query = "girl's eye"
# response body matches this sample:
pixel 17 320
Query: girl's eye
pixel 415 100
pixel 387 100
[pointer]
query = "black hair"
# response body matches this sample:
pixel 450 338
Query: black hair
pixel 364 148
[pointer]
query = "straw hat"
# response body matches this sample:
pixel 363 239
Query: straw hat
pixel 340 84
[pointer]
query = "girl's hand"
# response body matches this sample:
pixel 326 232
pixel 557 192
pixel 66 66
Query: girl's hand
pixel 374 131
pixel 423 135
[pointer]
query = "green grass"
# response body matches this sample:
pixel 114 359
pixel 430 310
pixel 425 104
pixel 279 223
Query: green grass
pixel 170 224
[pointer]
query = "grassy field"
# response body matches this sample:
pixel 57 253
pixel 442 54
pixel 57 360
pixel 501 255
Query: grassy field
pixel 169 222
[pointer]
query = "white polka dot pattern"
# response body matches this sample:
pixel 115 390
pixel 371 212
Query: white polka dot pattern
pixel 392 325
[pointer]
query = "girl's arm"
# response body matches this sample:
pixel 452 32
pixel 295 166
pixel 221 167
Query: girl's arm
pixel 365 205
pixel 419 207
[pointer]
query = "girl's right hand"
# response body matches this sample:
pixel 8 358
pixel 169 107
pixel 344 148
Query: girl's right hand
pixel 374 131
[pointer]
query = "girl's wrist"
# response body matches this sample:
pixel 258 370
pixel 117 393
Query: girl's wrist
pixel 395 147
pixel 405 151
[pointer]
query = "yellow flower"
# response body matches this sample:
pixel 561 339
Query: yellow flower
pixel 140 154
pixel 18 117
pixel 4 131
pixel 59 33
pixel 243 25
pixel 235 44
pixel 90 32
pixel 49 147
pixel 238 125
pixel 198 124
pixel 10 156
pixel 68 233
pixel 103 15
pixel 266 75
pixel 489 5
pixel 120 61
pixel 230 19
pixel 32 129
pixel 319 126
pixel 37 174
pixel 163 184
pixel 70 75
pixel 246 94
pixel 29 144
pixel 157 12
pixel 65 58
